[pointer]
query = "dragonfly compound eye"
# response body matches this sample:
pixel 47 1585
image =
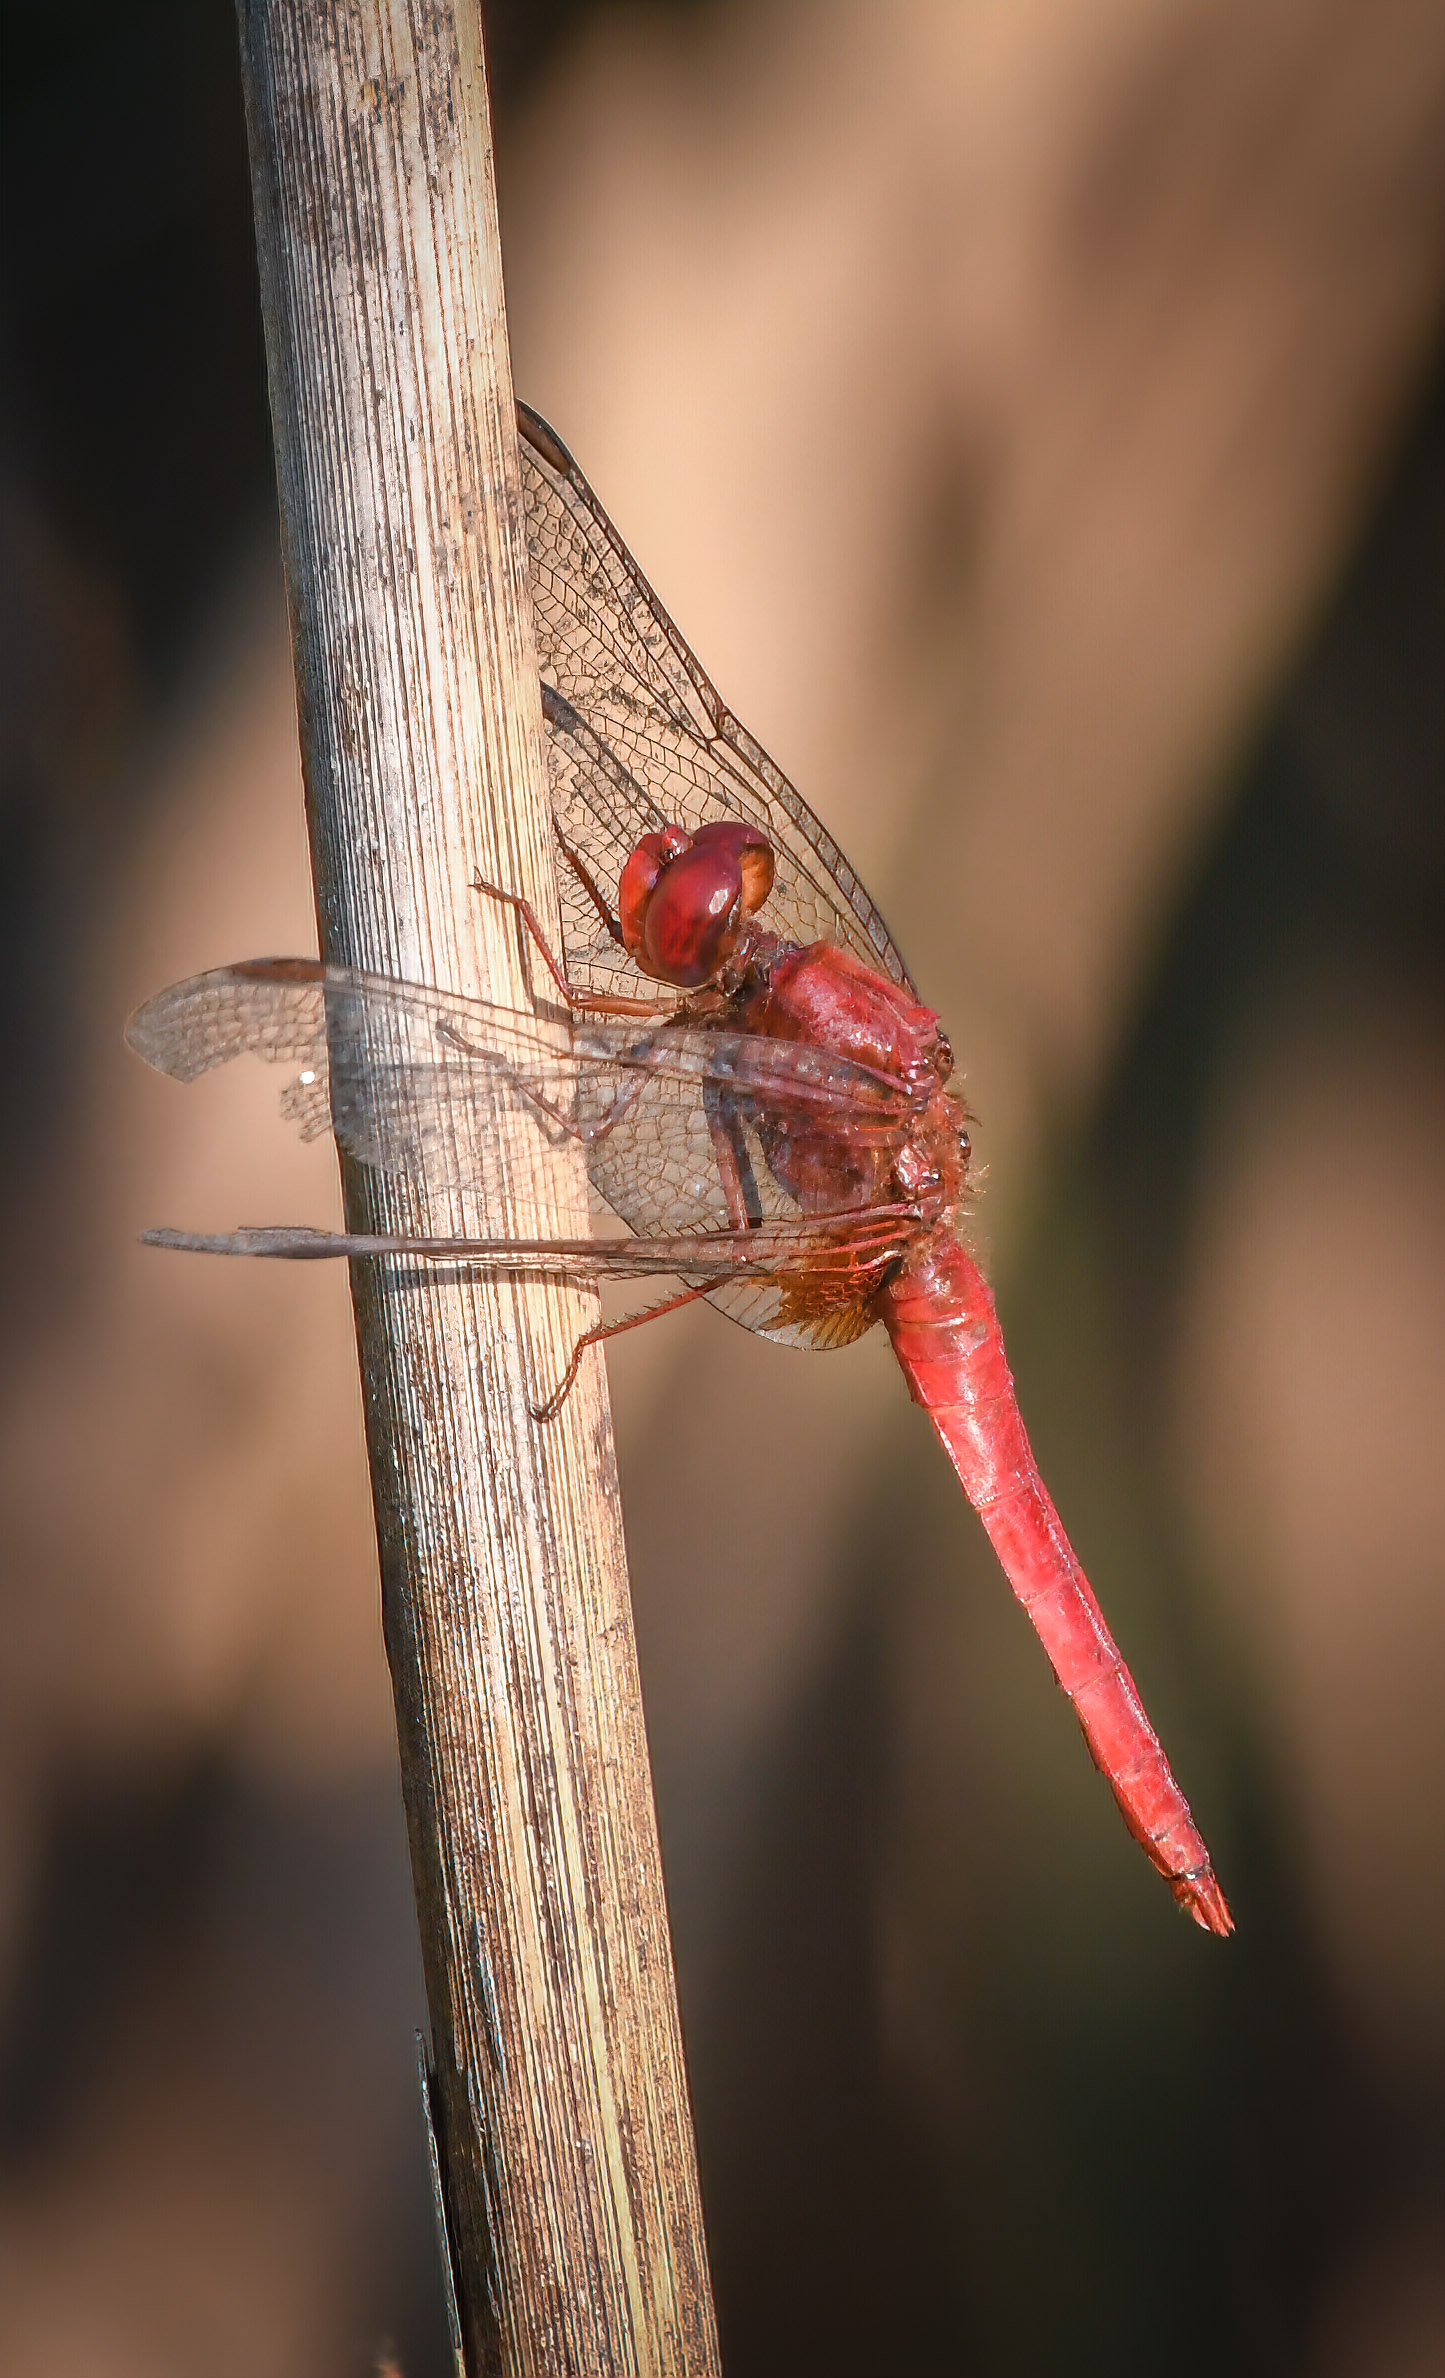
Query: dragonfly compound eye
pixel 691 926
pixel 640 878
pixel 684 897
pixel 753 852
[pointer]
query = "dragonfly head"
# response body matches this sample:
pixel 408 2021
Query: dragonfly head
pixel 685 898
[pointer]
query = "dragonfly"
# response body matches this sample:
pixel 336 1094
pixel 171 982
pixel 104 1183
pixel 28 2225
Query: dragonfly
pixel 733 1038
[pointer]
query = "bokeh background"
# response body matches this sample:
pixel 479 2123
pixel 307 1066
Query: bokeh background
pixel 1035 417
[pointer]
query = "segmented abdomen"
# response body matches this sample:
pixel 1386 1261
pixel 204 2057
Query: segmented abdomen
pixel 939 1313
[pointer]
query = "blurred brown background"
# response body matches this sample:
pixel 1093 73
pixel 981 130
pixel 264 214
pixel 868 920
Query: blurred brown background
pixel 1035 417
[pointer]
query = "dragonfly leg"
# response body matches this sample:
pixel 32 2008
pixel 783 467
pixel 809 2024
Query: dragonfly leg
pixel 593 1134
pixel 590 1134
pixel 592 1002
pixel 587 1133
pixel 599 1336
pixel 735 1173
pixel 610 918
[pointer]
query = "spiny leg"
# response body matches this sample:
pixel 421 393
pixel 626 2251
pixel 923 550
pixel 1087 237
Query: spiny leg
pixel 735 1173
pixel 590 1134
pixel 612 1329
pixel 592 1002
pixel 610 918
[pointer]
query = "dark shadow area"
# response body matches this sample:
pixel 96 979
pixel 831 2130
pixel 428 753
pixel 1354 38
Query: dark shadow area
pixel 821 2188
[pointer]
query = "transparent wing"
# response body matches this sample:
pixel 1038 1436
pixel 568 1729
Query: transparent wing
pixel 427 1085
pixel 638 734
pixel 785 1250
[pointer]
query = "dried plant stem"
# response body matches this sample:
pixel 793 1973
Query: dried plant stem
pixel 564 2128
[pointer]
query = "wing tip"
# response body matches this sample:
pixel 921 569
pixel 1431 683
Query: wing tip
pixel 543 439
pixel 150 1035
pixel 293 1242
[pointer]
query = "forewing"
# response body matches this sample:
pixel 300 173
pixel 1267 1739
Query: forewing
pixel 426 1084
pixel 638 734
pixel 384 1065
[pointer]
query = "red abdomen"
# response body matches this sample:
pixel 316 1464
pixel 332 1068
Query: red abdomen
pixel 939 1313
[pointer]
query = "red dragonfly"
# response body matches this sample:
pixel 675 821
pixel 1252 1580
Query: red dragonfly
pixel 762 1096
